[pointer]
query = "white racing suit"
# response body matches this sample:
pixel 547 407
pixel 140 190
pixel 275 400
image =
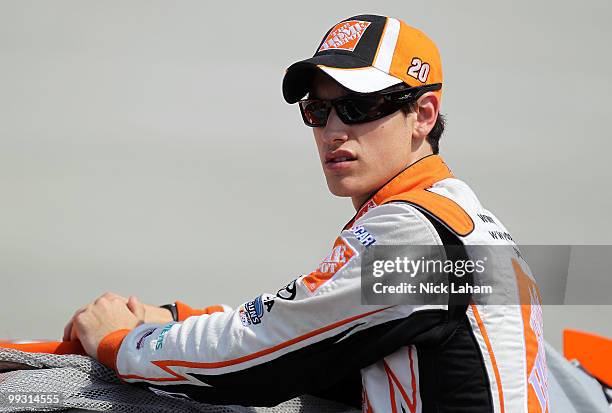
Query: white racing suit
pixel 315 336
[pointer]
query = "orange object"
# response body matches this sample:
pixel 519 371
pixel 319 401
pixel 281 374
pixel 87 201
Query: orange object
pixel 109 347
pixel 49 347
pixel 340 255
pixel 411 186
pixel 368 53
pixel 447 210
pixel 531 312
pixel 184 311
pixel 592 351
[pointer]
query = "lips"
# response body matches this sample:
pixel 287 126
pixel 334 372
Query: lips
pixel 340 160
pixel 339 155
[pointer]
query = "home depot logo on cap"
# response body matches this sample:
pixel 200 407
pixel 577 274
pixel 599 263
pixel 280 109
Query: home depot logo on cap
pixel 345 35
pixel 368 53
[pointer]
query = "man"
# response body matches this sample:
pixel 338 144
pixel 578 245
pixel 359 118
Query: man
pixel 374 93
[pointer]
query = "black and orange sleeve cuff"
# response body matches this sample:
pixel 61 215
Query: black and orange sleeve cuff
pixel 109 347
pixel 184 311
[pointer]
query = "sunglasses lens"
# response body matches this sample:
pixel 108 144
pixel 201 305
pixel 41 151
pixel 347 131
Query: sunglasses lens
pixel 362 109
pixel 350 109
pixel 314 112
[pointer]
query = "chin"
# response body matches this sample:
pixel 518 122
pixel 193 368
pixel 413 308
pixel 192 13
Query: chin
pixel 345 188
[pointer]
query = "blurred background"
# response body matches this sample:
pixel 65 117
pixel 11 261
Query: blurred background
pixel 145 147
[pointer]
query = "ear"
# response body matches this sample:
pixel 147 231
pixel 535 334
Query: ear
pixel 427 110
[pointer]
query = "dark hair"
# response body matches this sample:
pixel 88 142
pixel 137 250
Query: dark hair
pixel 436 132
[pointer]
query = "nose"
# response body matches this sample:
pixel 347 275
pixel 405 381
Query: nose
pixel 335 130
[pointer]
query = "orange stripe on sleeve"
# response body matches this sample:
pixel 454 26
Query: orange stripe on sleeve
pixel 166 365
pixel 483 330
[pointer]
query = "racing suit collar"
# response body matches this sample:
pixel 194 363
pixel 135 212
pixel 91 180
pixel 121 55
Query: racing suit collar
pixel 420 175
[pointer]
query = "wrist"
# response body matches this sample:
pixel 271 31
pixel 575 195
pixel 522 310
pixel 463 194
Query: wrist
pixel 169 310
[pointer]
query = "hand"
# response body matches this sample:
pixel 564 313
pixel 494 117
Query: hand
pixel 101 318
pixel 148 314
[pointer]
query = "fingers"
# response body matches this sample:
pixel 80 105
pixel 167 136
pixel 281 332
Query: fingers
pixel 101 318
pixel 69 330
pixel 137 308
pixel 108 296
pixel 75 321
pixel 79 320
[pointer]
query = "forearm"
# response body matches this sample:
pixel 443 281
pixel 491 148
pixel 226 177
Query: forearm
pixel 306 337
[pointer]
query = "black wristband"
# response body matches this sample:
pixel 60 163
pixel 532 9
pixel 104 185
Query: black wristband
pixel 172 309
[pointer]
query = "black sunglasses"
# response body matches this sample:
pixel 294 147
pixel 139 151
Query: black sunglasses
pixel 360 108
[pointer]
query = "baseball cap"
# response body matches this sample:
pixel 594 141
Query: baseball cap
pixel 368 53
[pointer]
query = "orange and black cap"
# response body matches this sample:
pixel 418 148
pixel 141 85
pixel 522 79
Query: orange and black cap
pixel 368 53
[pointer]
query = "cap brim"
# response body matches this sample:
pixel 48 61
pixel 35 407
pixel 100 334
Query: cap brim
pixel 350 72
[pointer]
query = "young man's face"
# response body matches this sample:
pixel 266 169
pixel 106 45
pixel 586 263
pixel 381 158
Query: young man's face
pixel 377 150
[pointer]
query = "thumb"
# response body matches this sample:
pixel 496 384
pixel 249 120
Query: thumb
pixel 136 307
